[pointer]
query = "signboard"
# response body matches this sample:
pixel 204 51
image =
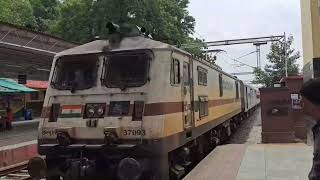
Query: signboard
pixel 296 102
pixel 22 79
pixel 295 96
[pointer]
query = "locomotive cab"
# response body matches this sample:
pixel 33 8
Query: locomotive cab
pixel 91 93
pixel 101 107
pixel 134 109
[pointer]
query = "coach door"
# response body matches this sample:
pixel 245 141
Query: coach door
pixel 186 94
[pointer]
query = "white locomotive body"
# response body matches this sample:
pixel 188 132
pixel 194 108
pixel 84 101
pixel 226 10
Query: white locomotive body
pixel 135 109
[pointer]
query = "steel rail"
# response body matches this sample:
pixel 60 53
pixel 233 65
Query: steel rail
pixel 13 168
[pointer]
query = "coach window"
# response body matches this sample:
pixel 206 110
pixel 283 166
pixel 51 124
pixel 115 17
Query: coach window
pixel 237 90
pixel 202 76
pixel 175 72
pixel 203 106
pixel 220 85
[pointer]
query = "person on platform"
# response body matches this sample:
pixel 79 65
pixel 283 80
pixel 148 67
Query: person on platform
pixel 9 119
pixel 2 123
pixel 312 117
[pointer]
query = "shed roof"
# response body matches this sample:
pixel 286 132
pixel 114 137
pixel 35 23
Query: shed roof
pixel 37 84
pixel 11 86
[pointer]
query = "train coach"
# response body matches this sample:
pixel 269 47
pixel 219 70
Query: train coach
pixel 134 108
pixel 249 99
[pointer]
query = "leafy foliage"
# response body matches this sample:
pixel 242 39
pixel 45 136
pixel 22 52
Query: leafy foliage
pixel 81 20
pixel 166 20
pixel 44 12
pixel 196 47
pixel 273 72
pixel 18 12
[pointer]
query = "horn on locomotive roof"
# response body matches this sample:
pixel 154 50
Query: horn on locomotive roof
pixel 113 28
pixel 117 32
pixel 126 30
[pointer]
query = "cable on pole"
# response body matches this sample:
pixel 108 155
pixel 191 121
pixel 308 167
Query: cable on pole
pixel 234 41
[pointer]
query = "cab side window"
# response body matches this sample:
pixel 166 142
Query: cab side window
pixel 237 90
pixel 175 72
pixel 220 85
pixel 186 74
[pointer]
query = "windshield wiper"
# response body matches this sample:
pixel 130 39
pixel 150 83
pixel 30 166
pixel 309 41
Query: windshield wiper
pixel 73 86
pixel 123 85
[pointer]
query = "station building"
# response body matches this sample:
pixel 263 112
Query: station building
pixel 28 53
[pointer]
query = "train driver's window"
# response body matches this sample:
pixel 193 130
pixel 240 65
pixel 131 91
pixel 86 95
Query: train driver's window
pixel 220 85
pixel 175 72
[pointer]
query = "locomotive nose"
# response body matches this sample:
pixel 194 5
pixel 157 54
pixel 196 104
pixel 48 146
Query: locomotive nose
pixel 129 169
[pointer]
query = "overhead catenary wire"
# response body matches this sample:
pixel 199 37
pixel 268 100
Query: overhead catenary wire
pixel 234 41
pixel 234 59
pixel 201 37
pixel 246 55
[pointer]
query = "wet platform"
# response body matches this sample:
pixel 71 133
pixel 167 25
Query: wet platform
pixel 255 162
pixel 23 131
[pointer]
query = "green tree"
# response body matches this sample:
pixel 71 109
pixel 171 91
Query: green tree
pixel 75 22
pixel 18 12
pixel 166 20
pixel 279 53
pixel 45 13
pixel 196 47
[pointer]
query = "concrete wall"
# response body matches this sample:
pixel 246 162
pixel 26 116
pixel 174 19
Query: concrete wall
pixel 277 124
pixel 310 21
pixel 310 29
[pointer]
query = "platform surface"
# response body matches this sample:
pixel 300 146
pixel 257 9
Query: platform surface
pixel 23 131
pixel 255 162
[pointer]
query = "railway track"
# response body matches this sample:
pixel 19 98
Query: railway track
pixel 15 172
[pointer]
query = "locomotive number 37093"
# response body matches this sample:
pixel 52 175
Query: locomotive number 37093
pixel 134 132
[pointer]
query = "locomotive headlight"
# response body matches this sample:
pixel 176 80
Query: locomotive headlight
pixel 100 111
pixel 90 111
pixel 95 110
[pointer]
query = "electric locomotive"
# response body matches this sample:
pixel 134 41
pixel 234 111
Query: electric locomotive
pixel 133 108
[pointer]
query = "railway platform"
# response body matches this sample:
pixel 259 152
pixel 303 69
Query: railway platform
pixel 255 162
pixel 23 131
pixel 18 145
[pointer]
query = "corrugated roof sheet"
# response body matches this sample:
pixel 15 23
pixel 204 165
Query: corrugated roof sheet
pixel 11 86
pixel 4 90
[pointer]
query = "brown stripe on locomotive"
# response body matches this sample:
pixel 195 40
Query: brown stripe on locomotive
pixel 155 109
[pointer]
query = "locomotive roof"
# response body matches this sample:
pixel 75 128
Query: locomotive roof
pixel 127 43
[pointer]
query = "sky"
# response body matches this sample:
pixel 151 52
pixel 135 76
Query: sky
pixel 234 19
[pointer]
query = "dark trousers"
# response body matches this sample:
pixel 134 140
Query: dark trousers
pixel 2 125
pixel 8 125
pixel 315 170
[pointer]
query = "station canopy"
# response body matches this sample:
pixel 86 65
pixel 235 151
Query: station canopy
pixel 9 86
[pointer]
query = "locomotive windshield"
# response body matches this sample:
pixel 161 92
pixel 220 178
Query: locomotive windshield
pixel 127 70
pixel 75 72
